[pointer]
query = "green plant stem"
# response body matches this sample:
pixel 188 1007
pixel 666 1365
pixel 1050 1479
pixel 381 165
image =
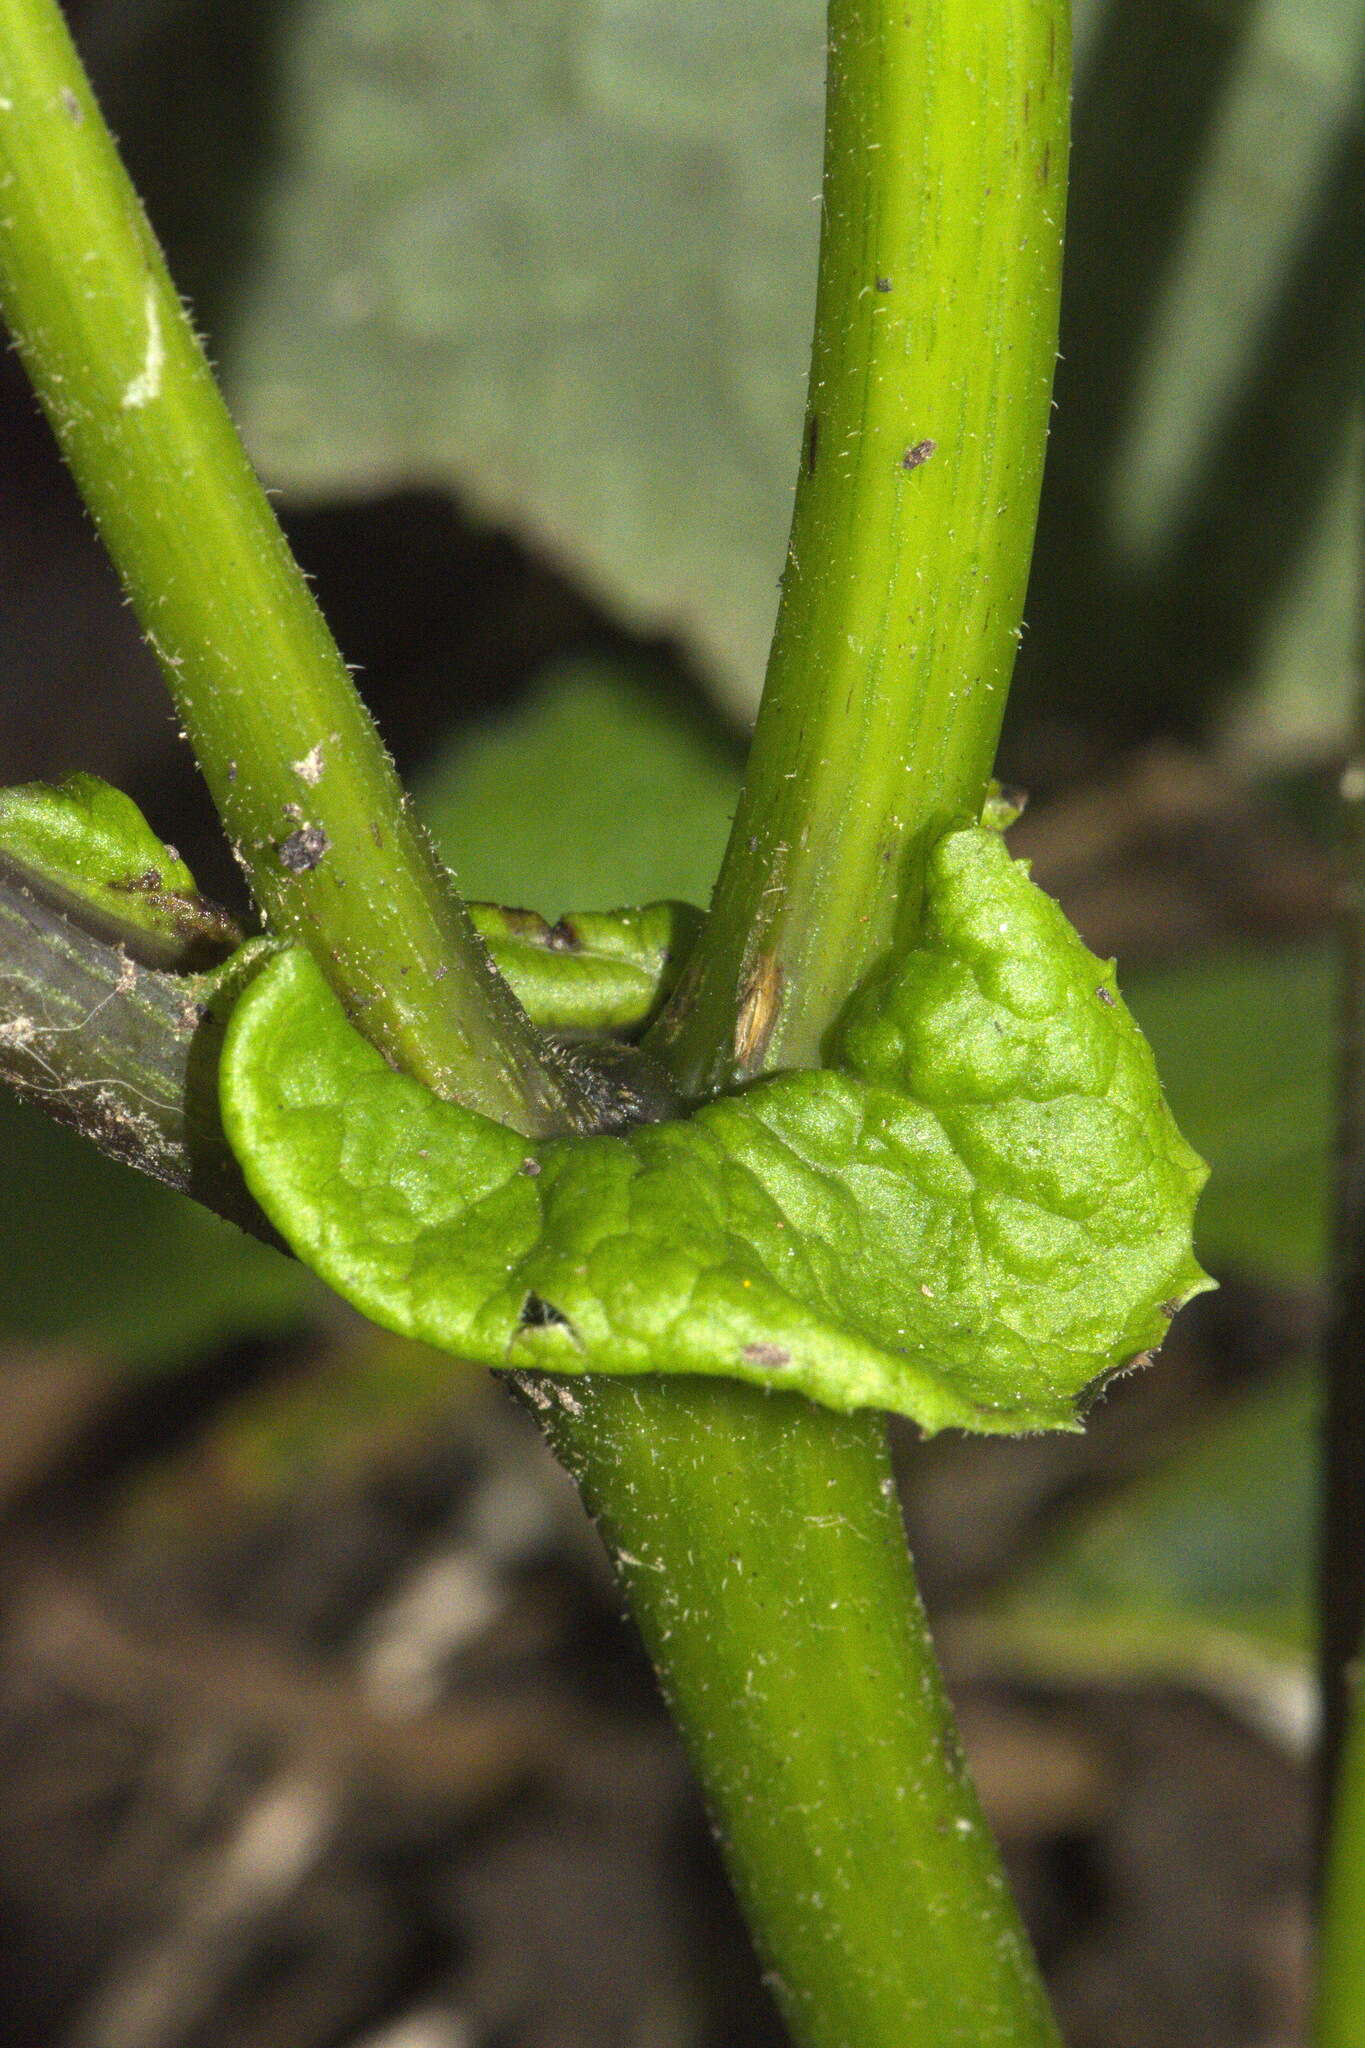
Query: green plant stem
pixel 761 1546
pixel 308 795
pixel 760 1540
pixel 931 379
pixel 1340 2004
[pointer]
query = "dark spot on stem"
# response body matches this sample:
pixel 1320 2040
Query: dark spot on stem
pixel 883 284
pixel 915 457
pixel 1107 997
pixel 812 443
pixel 303 849
pixel 530 1167
pixel 563 938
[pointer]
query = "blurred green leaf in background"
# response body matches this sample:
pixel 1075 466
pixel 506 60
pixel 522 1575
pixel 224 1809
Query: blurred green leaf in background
pixel 600 791
pixel 560 258
pixel 1199 1570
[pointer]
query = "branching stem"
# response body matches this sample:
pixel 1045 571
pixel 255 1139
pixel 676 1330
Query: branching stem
pixel 760 1539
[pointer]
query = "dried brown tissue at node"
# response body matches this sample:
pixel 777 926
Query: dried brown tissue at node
pixel 759 1005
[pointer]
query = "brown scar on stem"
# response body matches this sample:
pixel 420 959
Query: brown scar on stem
pixel 812 442
pixel 919 454
pixel 760 1003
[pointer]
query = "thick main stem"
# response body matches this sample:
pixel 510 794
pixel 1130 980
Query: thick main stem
pixel 761 1546
pixel 308 795
pixel 760 1540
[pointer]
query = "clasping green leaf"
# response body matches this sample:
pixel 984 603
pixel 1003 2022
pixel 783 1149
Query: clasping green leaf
pixel 978 1212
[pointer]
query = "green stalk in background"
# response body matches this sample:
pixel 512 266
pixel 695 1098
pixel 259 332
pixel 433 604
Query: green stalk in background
pixel 1340 2009
pixel 1339 2018
pixel 759 1539
pixel 312 806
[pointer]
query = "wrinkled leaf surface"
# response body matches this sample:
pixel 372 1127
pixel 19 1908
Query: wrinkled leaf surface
pixel 982 1210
